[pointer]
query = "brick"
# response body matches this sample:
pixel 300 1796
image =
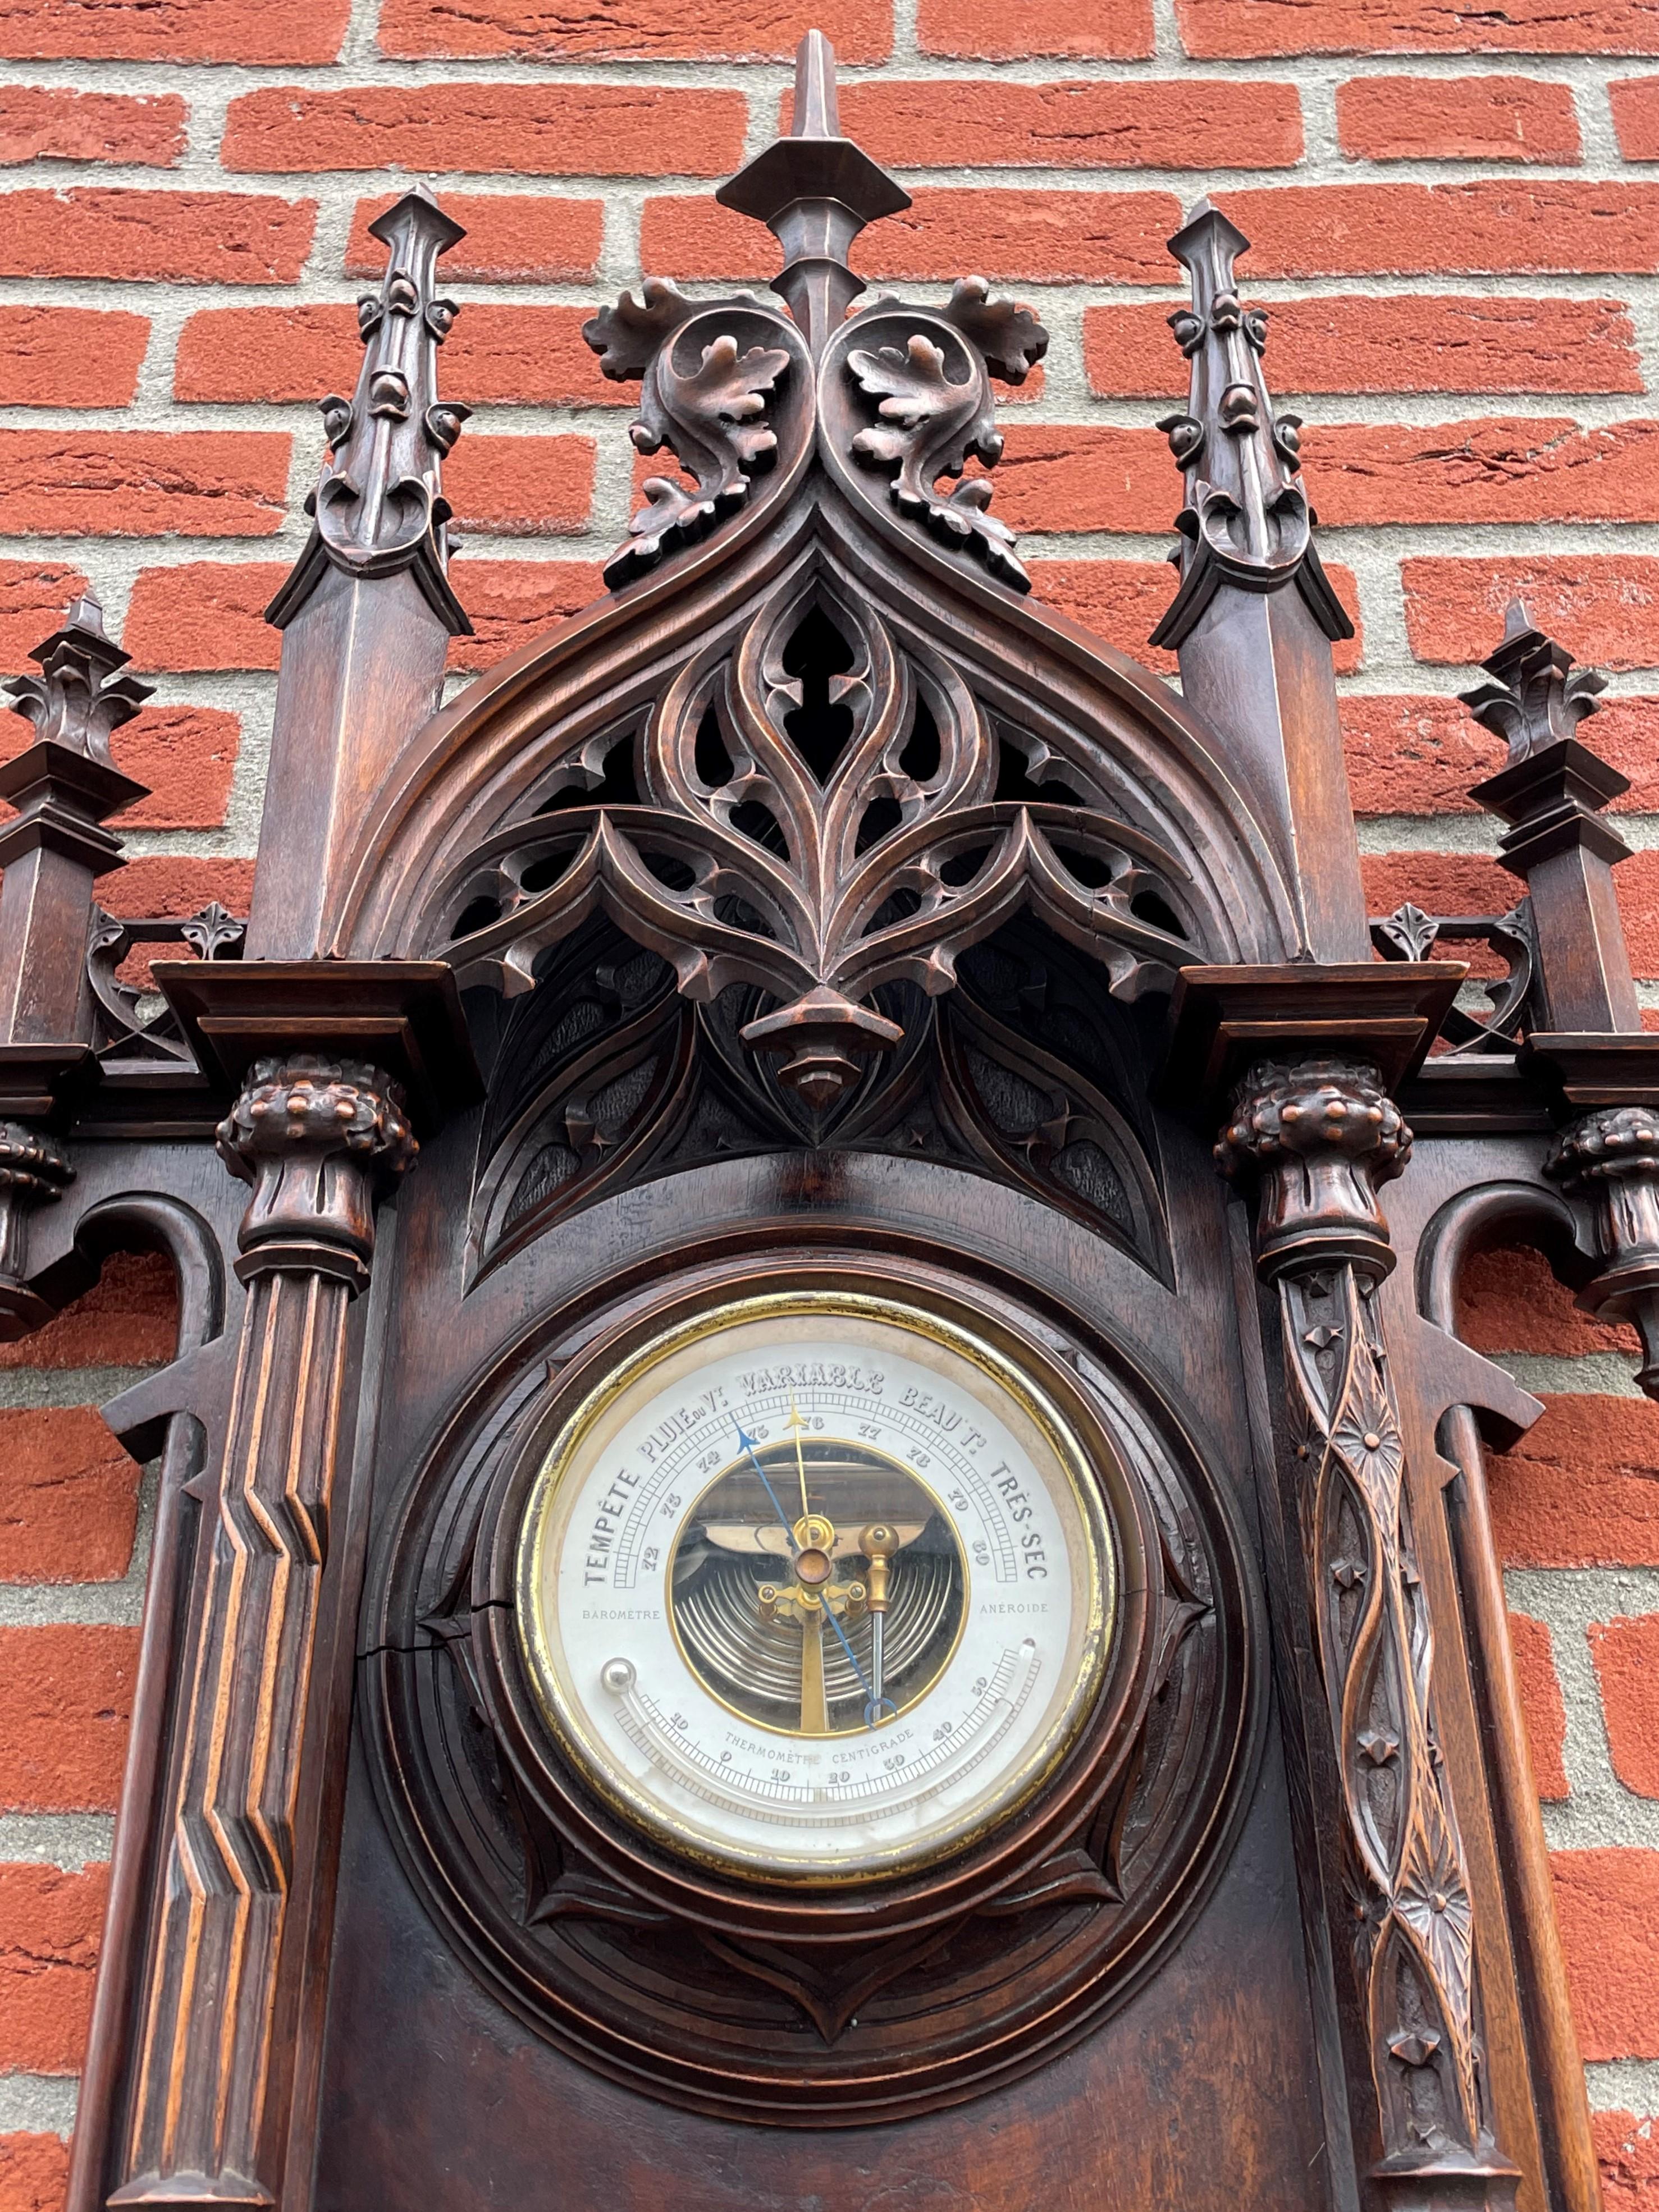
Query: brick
pixel 1636 117
pixel 1604 606
pixel 1581 1488
pixel 204 615
pixel 1121 601
pixel 511 237
pixel 1408 343
pixel 143 483
pixel 1411 754
pixel 514 603
pixel 186 755
pixel 170 237
pixel 65 1700
pixel 1094 126
pixel 70 356
pixel 172 30
pixel 177 884
pixel 34 2172
pixel 69 1497
pixel 531 356
pixel 527 130
pixel 1415 755
pixel 521 485
pixel 1222 29
pixel 1508 1301
pixel 1606 1903
pixel 1060 237
pixel 51 1921
pixel 1489 226
pixel 714 30
pixel 1496 468
pixel 129 1318
pixel 36 123
pixel 1627 2148
pixel 1542 1704
pixel 987 30
pixel 1058 477
pixel 1626 1655
pixel 1471 119
pixel 1492 468
pixel 32 596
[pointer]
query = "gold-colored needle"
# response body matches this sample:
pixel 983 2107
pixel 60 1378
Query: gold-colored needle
pixel 796 1423
pixel 814 1703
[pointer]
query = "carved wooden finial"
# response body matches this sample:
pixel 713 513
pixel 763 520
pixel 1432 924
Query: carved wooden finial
pixel 378 508
pixel 1247 520
pixel 1537 698
pixel 79 698
pixel 815 190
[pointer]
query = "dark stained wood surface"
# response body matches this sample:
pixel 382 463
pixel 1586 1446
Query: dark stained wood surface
pixel 814 892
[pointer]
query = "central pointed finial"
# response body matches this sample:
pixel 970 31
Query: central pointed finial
pixel 815 190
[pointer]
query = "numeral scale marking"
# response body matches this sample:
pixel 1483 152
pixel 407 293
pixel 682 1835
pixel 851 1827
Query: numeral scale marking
pixel 710 1434
pixel 794 1804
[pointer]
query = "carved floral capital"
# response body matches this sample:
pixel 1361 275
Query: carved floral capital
pixel 1321 1135
pixel 1610 1158
pixel 317 1138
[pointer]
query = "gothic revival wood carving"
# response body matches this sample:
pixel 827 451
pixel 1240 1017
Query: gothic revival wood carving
pixel 827 2009
pixel 313 1137
pixel 608 1079
pixel 816 907
pixel 1322 1135
pixel 817 831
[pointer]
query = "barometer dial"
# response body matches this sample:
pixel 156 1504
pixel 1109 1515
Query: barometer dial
pixel 816 1585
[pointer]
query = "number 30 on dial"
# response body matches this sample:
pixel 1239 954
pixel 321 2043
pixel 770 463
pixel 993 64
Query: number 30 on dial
pixel 816 1586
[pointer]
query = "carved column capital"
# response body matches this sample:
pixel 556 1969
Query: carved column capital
pixel 1321 1135
pixel 318 1139
pixel 1610 1158
pixel 34 1171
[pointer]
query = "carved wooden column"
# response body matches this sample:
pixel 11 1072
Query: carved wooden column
pixel 1319 1136
pixel 318 1139
pixel 1586 1043
pixel 63 786
pixel 1255 614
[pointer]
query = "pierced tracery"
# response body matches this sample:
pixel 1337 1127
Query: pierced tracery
pixel 818 816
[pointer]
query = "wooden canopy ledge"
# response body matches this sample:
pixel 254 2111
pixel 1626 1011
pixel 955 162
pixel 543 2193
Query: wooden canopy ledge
pixel 1222 1019
pixel 403 1015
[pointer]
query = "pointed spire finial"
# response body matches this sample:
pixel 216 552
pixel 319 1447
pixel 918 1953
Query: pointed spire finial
pixel 79 697
pixel 815 190
pixel 1246 518
pixel 818 108
pixel 1537 697
pixel 378 506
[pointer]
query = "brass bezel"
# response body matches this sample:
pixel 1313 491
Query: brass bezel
pixel 561 1712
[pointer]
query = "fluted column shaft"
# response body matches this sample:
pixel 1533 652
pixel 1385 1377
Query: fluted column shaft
pixel 316 1139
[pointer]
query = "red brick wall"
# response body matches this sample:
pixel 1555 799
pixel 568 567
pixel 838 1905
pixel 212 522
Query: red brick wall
pixel 1455 211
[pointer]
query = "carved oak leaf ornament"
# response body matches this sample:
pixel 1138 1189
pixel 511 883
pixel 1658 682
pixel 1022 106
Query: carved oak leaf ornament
pixel 710 416
pixel 939 420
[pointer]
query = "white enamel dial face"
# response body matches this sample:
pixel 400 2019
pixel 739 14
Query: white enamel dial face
pixel 816 1586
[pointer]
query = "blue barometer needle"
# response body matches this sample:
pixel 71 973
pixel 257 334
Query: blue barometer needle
pixel 871 1703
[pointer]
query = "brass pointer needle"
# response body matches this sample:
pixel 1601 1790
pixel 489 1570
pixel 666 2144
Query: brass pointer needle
pixel 797 1425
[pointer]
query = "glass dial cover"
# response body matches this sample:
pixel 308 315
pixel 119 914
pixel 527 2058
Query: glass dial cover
pixel 816 1585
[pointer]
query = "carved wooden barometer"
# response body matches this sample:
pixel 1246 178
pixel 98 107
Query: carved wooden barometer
pixel 822 1534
